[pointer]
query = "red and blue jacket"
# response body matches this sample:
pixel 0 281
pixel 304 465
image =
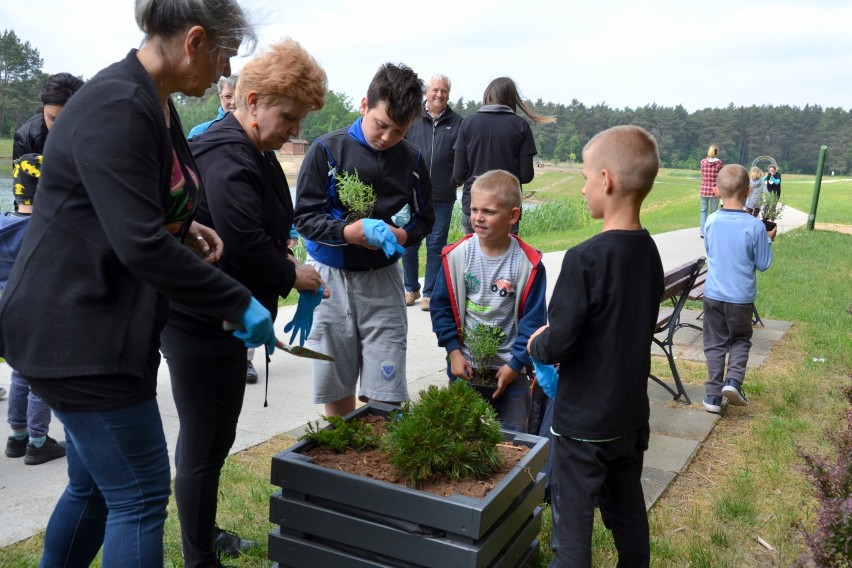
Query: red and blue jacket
pixel 448 297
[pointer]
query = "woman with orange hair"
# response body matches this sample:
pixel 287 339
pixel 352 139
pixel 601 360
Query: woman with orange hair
pixel 247 200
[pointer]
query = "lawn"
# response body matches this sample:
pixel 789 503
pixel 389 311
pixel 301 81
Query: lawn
pixel 745 481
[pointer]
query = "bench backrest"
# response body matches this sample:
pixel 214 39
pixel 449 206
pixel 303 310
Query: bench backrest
pixel 683 278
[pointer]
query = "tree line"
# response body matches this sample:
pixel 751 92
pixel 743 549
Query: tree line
pixel 789 134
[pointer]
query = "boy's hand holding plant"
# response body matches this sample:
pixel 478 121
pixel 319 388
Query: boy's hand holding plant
pixel 505 375
pixel 459 366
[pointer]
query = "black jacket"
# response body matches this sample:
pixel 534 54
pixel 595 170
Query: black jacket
pixel 88 293
pixel 493 138
pixel 602 317
pixel 399 177
pixel 436 138
pixel 247 200
pixel 30 137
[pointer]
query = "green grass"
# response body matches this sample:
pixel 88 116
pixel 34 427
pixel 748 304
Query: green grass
pixel 700 520
pixel 6 149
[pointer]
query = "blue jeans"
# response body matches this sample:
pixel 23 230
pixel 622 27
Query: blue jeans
pixel 118 489
pixel 435 242
pixel 708 206
pixel 26 409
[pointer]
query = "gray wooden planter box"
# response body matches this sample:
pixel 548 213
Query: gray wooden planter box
pixel 332 518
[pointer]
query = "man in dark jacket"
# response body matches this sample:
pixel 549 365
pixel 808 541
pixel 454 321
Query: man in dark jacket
pixel 435 133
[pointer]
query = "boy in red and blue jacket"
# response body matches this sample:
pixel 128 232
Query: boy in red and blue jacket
pixel 492 277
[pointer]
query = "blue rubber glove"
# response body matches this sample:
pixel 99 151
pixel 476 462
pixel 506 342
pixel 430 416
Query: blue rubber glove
pixel 379 234
pixel 257 327
pixel 294 234
pixel 547 376
pixel 402 217
pixel 304 318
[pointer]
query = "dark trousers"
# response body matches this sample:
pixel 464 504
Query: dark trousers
pixel 208 376
pixel 608 474
pixel 727 335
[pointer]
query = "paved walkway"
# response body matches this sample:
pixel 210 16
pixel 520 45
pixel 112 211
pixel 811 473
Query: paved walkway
pixel 30 492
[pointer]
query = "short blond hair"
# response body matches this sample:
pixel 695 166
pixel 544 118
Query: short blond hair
pixel 630 154
pixel 755 173
pixel 501 185
pixel 733 181
pixel 712 151
pixel 284 69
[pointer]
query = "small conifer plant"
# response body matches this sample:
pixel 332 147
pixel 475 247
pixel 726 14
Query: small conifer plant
pixel 358 197
pixel 450 431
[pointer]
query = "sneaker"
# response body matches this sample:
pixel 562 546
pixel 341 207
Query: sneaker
pixel 712 404
pixel 51 450
pixel 424 305
pixel 16 448
pixel 230 544
pixel 251 374
pixel 411 297
pixel 733 393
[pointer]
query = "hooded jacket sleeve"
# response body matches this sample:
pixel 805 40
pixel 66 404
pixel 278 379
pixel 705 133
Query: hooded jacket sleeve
pixel 566 313
pixel 533 317
pixel 315 217
pixel 234 187
pixel 444 323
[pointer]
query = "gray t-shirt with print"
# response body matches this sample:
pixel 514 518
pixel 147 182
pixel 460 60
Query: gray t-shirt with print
pixel 490 285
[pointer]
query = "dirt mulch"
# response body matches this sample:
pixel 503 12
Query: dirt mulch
pixel 374 464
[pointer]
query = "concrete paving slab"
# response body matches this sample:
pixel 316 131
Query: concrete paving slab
pixel 654 483
pixel 688 342
pixel 669 453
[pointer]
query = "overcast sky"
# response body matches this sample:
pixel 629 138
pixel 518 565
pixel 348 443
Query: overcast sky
pixel 624 54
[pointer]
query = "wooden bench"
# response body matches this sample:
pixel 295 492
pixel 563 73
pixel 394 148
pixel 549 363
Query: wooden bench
pixel 679 284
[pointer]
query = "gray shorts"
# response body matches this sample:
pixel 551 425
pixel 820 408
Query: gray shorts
pixel 364 326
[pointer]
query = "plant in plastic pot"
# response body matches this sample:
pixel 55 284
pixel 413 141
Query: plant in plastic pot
pixel 770 209
pixel 483 341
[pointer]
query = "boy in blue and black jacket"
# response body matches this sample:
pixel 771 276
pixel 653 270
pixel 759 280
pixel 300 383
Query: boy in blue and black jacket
pixel 364 323
pixel 492 277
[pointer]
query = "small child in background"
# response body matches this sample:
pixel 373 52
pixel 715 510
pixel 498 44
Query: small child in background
pixel 737 244
pixel 28 415
pixel 758 186
pixel 492 277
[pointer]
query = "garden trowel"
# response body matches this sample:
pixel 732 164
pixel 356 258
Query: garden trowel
pixel 296 350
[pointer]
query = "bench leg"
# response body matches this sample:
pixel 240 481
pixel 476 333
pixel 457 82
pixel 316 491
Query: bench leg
pixel 755 318
pixel 678 394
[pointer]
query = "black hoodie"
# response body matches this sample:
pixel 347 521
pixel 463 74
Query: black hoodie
pixel 247 201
